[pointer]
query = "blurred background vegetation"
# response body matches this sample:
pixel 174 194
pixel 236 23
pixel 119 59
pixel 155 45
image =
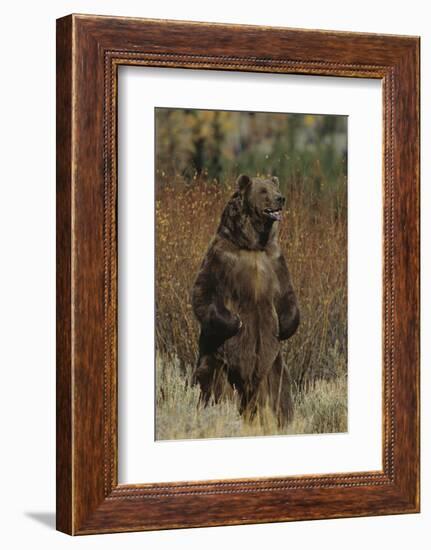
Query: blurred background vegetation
pixel 219 145
pixel 199 155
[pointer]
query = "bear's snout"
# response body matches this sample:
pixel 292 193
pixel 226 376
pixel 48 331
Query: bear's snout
pixel 280 200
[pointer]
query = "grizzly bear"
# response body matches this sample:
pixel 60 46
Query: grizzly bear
pixel 245 304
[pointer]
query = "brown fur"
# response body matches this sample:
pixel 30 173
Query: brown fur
pixel 244 301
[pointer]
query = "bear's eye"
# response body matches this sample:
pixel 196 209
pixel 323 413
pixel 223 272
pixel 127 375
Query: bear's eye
pixel 263 192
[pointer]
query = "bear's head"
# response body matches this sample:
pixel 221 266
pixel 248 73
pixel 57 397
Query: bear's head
pixel 248 217
pixel 261 197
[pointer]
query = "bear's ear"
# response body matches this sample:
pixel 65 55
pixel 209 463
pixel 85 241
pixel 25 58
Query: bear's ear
pixel 274 179
pixel 243 182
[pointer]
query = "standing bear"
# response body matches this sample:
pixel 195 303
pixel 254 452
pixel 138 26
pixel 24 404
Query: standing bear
pixel 245 304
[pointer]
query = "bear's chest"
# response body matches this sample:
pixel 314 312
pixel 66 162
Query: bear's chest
pixel 252 277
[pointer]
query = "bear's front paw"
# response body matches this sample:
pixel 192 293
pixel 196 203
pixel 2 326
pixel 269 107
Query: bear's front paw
pixel 222 323
pixel 233 326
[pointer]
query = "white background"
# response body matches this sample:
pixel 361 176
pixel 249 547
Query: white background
pixel 27 407
pixel 141 458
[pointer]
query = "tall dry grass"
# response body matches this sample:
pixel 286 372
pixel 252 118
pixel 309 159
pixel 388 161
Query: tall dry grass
pixel 313 236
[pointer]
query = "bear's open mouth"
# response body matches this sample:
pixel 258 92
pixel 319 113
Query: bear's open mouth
pixel 273 213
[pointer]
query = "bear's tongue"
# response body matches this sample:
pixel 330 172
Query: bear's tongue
pixel 273 214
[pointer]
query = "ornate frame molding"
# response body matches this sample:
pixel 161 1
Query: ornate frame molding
pixel 90 49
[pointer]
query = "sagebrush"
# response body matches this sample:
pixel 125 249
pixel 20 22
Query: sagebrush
pixel 181 415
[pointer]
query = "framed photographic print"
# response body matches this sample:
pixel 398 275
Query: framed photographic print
pixel 237 274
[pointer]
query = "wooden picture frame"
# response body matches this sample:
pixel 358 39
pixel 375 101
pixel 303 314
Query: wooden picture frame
pixel 89 51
